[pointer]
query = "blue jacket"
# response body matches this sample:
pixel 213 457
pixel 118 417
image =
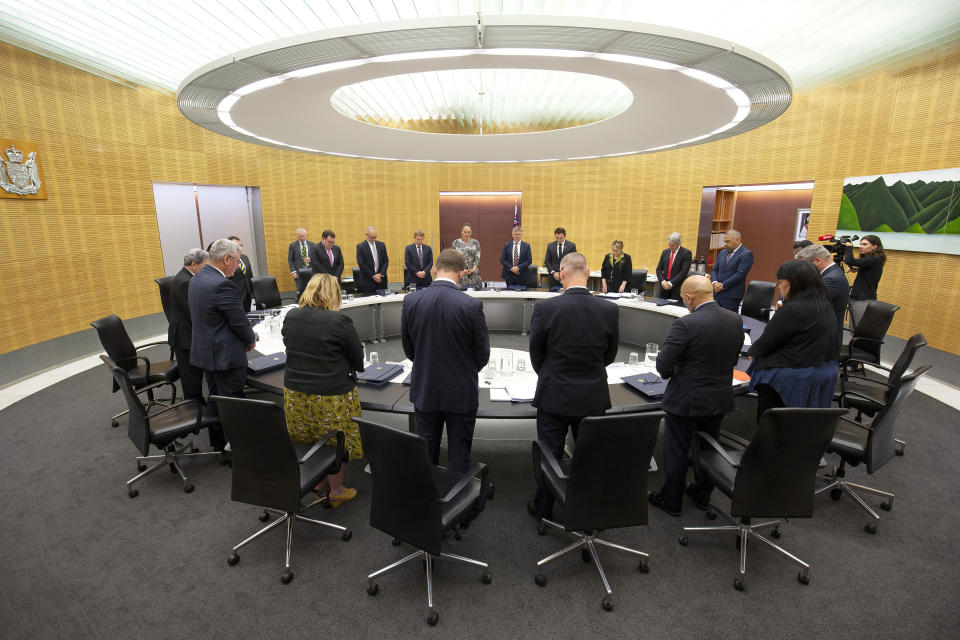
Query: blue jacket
pixel 220 330
pixel 732 274
pixel 506 259
pixel 412 264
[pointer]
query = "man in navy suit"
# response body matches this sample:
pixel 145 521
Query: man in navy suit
pixel 326 257
pixel 673 267
pixel 417 262
pixel 372 261
pixel 516 258
pixel 180 331
pixel 729 274
pixel 444 333
pixel 838 289
pixel 221 335
pixel 697 358
pixel 556 250
pixel 573 337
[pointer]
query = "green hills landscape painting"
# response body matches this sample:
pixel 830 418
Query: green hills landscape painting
pixel 918 211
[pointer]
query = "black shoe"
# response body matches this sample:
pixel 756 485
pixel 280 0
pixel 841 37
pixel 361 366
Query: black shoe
pixel 656 500
pixel 699 501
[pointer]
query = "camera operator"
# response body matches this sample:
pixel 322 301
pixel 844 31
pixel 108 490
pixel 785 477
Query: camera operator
pixel 869 269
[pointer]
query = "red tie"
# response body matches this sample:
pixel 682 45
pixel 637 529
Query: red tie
pixel 670 266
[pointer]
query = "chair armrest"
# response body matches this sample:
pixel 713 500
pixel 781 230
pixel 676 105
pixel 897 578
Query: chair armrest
pixel 735 439
pixel 477 469
pixel 322 442
pixel 858 396
pixel 854 423
pixel 709 439
pixel 547 455
pixel 152 344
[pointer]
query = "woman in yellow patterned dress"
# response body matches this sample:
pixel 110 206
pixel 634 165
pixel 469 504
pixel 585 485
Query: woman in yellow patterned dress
pixel 320 383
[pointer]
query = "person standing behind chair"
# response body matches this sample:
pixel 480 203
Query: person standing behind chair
pixel 320 381
pixel 444 333
pixel 616 269
pixel 298 257
pixel 417 262
pixel 326 257
pixel 673 267
pixel 838 289
pixel 869 268
pixel 221 335
pixel 470 248
pixel 372 262
pixel 697 358
pixel 516 259
pixel 243 276
pixel 180 332
pixel 555 252
pixel 573 337
pixel 794 362
pixel 729 274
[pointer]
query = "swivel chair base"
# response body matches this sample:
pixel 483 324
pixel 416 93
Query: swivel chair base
pixel 172 454
pixel 432 616
pixel 286 517
pixel 587 542
pixel 838 486
pixel 746 530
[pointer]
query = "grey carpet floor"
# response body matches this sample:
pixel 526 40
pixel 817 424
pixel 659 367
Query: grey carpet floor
pixel 79 559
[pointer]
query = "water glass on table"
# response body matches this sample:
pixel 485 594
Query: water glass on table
pixel 374 357
pixel 652 350
pixel 634 359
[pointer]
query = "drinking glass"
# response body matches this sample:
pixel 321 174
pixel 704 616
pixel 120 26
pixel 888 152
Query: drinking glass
pixel 634 293
pixel 652 350
pixel 521 364
pixel 375 357
pixel 634 359
pixel 506 362
pixel 489 372
pixel 641 295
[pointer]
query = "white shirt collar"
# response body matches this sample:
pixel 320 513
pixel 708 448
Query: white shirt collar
pixel 446 280
pixel 220 272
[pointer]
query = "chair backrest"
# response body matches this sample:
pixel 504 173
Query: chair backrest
pixel 914 344
pixel 116 342
pixel 405 499
pixel 356 275
pixel 609 471
pixel 873 324
pixel 759 296
pixel 657 289
pixel 880 440
pixel 166 285
pixel 138 423
pixel 777 473
pixel 638 280
pixel 266 471
pixel 266 292
pixel 533 277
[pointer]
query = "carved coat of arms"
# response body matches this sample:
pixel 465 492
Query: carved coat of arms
pixel 17 176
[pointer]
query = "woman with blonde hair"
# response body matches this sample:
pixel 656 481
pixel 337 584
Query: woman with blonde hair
pixel 320 382
pixel 470 248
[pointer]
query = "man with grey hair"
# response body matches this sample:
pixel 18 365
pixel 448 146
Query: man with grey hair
pixel 838 289
pixel 298 257
pixel 221 335
pixel 372 262
pixel 179 334
pixel 573 337
pixel 729 275
pixel 673 267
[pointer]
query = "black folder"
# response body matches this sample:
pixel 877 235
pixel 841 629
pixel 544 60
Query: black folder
pixel 379 374
pixel 265 364
pixel 649 385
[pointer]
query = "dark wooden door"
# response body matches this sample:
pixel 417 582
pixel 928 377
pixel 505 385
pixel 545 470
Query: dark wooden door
pixel 491 217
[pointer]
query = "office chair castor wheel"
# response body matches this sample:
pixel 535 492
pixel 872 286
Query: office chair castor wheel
pixel 886 506
pixel 871 529
pixel 141 466
pixel 738 584
pixel 541 528
pixel 486 578
pixel 233 558
pixel 684 541
pixel 836 494
pixel 711 515
pixel 116 423
pixel 189 488
pixel 585 555
pixel 287 577
pixel 132 493
pixel 346 535
pixel 372 589
pixel 395 542
pixel 432 618
pixel 775 534
pixel 540 580
pixel 607 604
pixel 803 578
pixel 263 517
pixel 644 566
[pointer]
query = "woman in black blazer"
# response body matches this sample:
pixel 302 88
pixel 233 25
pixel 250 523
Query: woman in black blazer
pixel 616 269
pixel 869 268
pixel 320 382
pixel 794 362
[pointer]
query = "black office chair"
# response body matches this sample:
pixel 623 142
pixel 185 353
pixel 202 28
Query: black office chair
pixel 144 375
pixel 773 477
pixel 267 293
pixel 603 486
pixel 163 428
pixel 269 473
pixel 533 277
pixel 638 280
pixel 416 502
pixel 166 286
pixel 871 443
pixel 758 299
pixel 867 337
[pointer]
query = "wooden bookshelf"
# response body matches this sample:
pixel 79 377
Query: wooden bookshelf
pixel 723 210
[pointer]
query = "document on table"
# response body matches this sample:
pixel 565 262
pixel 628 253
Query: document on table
pixel 522 390
pixel 499 394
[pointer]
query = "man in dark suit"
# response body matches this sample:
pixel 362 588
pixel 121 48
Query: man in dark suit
pixel 298 257
pixel 673 267
pixel 516 258
pixel 221 335
pixel 180 332
pixel 697 358
pixel 729 273
pixel 243 276
pixel 372 261
pixel 838 289
pixel 417 262
pixel 326 257
pixel 555 252
pixel 573 337
pixel 444 333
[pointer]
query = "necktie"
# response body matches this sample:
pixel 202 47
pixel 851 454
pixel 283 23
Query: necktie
pixel 516 254
pixel 670 266
pixel 376 263
pixel 303 251
pixel 559 250
pixel 330 255
pixel 243 267
pixel 420 255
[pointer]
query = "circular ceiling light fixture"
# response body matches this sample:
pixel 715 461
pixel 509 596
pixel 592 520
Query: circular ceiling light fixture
pixel 684 89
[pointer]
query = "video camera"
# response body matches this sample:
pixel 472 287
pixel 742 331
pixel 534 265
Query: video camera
pixel 835 245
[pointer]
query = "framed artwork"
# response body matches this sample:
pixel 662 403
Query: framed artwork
pixel 803 223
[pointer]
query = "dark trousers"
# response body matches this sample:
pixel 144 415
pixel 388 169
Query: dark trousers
pixel 552 432
pixel 729 303
pixel 767 398
pixel 222 382
pixel 677 437
pixel 191 377
pixel 459 436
